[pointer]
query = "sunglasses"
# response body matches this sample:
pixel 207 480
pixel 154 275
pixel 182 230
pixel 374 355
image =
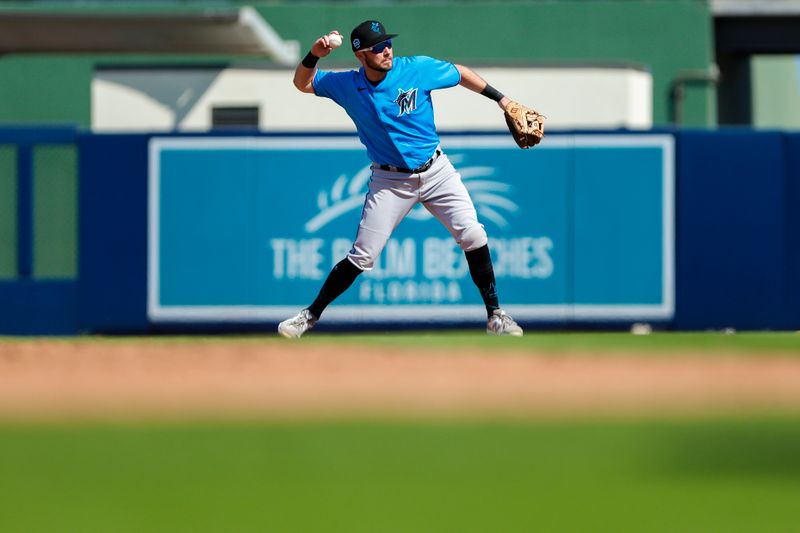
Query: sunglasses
pixel 378 48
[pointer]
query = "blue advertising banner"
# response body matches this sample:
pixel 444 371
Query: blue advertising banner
pixel 247 229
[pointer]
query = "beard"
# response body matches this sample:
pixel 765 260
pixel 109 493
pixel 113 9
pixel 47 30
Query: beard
pixel 375 64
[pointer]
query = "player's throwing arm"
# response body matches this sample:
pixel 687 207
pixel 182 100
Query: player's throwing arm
pixel 304 75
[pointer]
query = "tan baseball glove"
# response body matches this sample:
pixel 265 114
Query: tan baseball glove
pixel 525 124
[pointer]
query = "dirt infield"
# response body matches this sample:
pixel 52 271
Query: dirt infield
pixel 80 378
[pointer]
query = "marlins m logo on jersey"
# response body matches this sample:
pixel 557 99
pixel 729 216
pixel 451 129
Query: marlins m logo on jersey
pixel 406 101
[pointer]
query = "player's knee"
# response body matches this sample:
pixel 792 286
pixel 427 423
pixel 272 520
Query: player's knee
pixel 473 238
pixel 362 257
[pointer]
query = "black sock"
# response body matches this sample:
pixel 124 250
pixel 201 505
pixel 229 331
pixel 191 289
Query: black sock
pixel 341 277
pixel 480 268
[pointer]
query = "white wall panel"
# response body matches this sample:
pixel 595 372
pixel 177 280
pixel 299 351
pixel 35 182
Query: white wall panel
pixel 182 99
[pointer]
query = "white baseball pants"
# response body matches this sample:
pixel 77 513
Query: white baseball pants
pixel 393 194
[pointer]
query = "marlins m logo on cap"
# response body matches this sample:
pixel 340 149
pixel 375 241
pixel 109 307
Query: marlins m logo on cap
pixel 369 33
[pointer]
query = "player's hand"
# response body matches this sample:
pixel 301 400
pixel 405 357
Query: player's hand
pixel 321 46
pixel 503 102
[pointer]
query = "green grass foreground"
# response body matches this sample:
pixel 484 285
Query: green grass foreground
pixel 711 474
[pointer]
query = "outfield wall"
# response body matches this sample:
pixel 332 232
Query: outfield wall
pixel 188 232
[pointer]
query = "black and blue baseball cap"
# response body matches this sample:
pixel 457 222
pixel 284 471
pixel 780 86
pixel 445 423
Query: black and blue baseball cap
pixel 367 34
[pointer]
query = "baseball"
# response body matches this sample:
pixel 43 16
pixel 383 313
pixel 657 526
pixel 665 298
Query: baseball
pixel 334 40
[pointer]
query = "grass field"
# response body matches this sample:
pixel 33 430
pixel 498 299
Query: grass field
pixel 732 472
pixel 702 475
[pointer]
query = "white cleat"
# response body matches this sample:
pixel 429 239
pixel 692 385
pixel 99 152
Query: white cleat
pixel 294 327
pixel 502 324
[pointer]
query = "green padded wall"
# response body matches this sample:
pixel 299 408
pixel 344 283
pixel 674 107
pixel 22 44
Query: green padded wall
pixel 41 89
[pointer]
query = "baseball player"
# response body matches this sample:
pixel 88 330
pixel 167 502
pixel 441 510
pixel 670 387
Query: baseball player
pixel 389 100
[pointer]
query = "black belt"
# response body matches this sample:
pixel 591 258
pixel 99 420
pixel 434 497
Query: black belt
pixel 422 168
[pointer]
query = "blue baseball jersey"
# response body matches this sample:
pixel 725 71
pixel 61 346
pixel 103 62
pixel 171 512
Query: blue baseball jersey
pixel 395 118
